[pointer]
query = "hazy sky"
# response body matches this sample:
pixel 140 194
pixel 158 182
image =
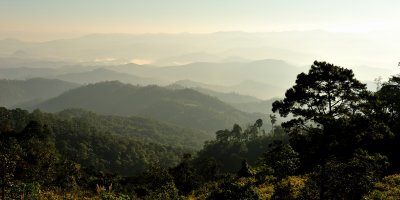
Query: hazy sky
pixel 42 19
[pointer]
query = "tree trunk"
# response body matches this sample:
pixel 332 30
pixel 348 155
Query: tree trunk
pixel 3 180
pixel 324 155
pixel 322 181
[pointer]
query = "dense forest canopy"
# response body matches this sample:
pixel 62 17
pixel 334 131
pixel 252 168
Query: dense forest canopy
pixel 183 107
pixel 340 143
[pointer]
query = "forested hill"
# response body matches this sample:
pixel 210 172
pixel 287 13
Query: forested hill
pixel 14 92
pixel 341 143
pixel 186 107
pixel 113 144
pixel 140 128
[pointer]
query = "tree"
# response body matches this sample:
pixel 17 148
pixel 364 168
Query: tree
pixel 354 178
pixel 319 101
pixel 388 99
pixel 282 159
pixel 273 121
pixel 389 95
pixel 259 124
pixel 245 170
pixel 185 176
pixel 9 155
pixel 223 135
pixel 237 132
pixel 325 93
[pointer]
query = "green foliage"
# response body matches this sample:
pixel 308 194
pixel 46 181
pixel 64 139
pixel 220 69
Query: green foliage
pixel 208 168
pixel 283 160
pixel 137 127
pixel 168 192
pixel 326 91
pixel 387 188
pixel 289 187
pixel 112 196
pixel 354 178
pixel 184 107
pixel 245 170
pixel 21 190
pixel 39 153
pixel 233 146
pixel 389 95
pixel 321 101
pixel 339 146
pixel 311 189
pixel 387 102
pixel 122 145
pixel 236 189
pixel 185 175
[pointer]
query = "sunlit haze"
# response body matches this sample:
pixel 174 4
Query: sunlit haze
pixel 47 19
pixel 199 99
pixel 355 34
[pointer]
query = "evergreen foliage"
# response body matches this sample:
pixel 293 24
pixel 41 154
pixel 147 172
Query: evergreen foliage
pixel 340 144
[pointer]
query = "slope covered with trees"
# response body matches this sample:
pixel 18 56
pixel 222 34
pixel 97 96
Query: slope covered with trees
pixel 341 143
pixel 114 144
pixel 140 128
pixel 186 107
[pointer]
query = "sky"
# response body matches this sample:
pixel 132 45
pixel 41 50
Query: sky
pixel 51 19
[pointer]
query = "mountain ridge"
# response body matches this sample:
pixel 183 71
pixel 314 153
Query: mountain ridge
pixel 186 107
pixel 15 92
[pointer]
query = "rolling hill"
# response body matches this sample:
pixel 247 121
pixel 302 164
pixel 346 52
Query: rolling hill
pixel 140 128
pixel 125 145
pixel 241 102
pixel 185 107
pixel 14 92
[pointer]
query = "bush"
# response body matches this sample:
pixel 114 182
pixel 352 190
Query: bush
pixel 23 190
pixel 387 188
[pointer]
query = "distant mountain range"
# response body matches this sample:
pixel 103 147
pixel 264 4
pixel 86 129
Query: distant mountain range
pixel 27 93
pixel 101 74
pixel 298 47
pixel 216 91
pixel 264 79
pixel 250 91
pixel 269 78
pixel 184 107
pixel 160 49
pixel 273 72
pixel 241 102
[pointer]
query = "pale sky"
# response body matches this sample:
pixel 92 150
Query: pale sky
pixel 49 19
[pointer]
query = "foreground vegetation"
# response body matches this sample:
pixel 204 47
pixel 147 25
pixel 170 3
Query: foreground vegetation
pixel 341 143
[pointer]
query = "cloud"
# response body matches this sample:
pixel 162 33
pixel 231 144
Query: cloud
pixel 140 61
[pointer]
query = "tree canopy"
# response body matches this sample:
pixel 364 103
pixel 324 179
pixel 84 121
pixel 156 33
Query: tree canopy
pixel 325 92
pixel 331 117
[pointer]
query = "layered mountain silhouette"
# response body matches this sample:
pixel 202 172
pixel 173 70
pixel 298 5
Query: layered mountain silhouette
pixel 184 107
pixel 102 74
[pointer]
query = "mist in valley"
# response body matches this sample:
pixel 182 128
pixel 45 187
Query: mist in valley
pixel 199 100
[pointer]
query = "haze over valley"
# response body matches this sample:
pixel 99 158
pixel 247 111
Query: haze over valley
pixel 199 99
